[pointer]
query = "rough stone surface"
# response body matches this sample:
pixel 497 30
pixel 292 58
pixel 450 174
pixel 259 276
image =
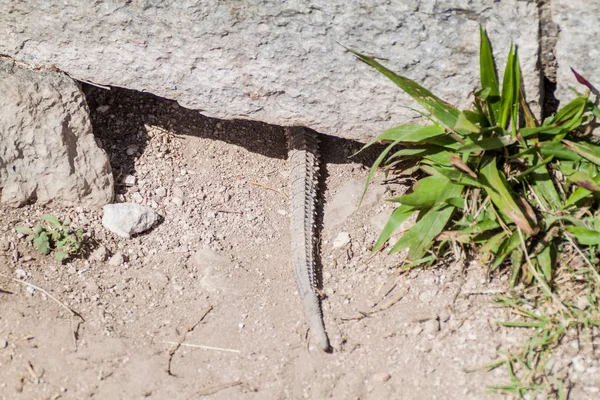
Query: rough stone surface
pixel 577 44
pixel 278 62
pixel 48 153
pixel 127 219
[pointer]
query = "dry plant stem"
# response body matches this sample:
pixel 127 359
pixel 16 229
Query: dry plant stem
pixel 201 346
pixel 363 314
pixel 182 338
pixel 535 273
pixel 584 258
pixel 66 307
pixel 269 188
pixel 207 391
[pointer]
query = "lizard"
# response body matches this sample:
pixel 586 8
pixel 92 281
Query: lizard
pixel 304 172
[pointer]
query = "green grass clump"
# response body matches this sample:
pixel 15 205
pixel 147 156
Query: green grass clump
pixel 56 236
pixel 518 192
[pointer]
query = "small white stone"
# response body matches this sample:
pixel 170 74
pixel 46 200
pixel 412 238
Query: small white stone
pixel 177 201
pixel 103 109
pixel 381 377
pixel 341 240
pixel 137 198
pixel 129 180
pixel 3 343
pixel 20 273
pixel 177 192
pixel 131 150
pixel 100 254
pixel 241 325
pixel 116 260
pixel 161 192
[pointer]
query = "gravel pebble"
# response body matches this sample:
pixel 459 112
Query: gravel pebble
pixel 137 198
pixel 100 254
pixel 177 192
pixel 4 245
pixel 161 192
pixel 341 240
pixel 117 259
pixel 3 343
pixel 129 180
pixel 381 377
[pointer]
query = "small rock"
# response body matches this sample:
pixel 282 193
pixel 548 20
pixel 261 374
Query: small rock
pixel 100 254
pixel 30 290
pixel 20 273
pixel 161 192
pixel 103 109
pixel 177 192
pixel 3 343
pixel 341 240
pixel 381 377
pixel 137 198
pixel 241 325
pixel 177 201
pixel 427 296
pixel 129 180
pixel 431 326
pixel 117 259
pixel 282 212
pixel 126 219
pixel 4 245
pixel 131 150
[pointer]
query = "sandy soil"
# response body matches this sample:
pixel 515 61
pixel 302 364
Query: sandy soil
pixel 216 272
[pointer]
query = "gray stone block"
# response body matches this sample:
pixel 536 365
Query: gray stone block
pixel 48 153
pixel 272 61
pixel 578 44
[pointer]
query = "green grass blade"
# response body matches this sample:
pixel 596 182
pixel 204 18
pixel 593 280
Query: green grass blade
pixel 407 133
pixel 587 150
pixel 419 238
pixel 516 93
pixel 546 262
pixel 508 94
pixel 443 111
pixel 492 143
pixel 465 126
pixel 399 215
pixel 584 236
pixel 497 188
pixel 578 177
pixel 489 80
pixel 427 192
pixel 375 165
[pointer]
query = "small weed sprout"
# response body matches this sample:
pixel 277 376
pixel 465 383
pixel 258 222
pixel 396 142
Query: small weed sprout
pixel 54 235
pixel 520 193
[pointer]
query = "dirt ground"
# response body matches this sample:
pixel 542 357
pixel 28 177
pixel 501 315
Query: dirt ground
pixel 216 273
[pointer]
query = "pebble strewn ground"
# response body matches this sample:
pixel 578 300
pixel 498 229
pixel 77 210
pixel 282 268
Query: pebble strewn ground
pixel 216 273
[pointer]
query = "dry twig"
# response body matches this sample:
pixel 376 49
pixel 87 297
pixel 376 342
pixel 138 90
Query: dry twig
pixel 179 343
pixel 270 188
pixel 363 314
pixel 207 391
pixel 63 305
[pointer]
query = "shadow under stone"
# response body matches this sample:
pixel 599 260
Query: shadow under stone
pixel 119 115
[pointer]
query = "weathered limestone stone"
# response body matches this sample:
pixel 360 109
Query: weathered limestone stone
pixel 578 44
pixel 128 219
pixel 48 153
pixel 273 61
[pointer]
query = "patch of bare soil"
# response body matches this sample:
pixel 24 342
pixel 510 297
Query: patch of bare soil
pixel 216 274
